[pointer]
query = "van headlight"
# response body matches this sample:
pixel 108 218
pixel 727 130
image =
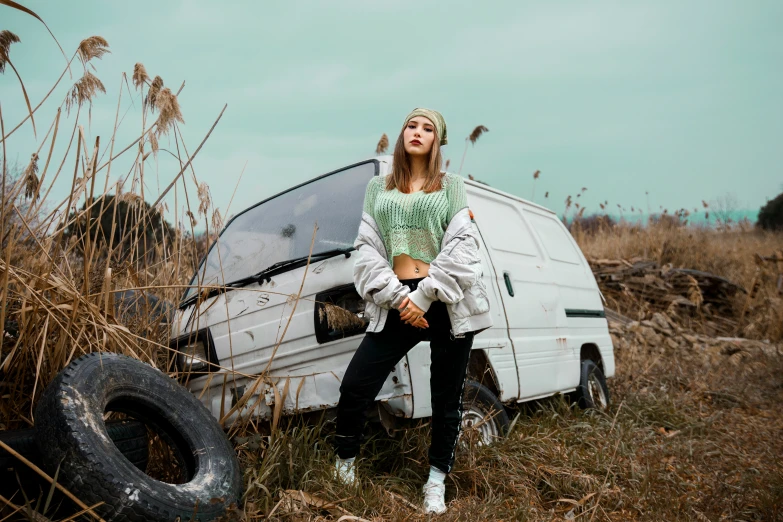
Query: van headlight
pixel 194 358
pixel 194 353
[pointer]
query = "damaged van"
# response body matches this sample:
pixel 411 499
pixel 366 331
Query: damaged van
pixel 271 318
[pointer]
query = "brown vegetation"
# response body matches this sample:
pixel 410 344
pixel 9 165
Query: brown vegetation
pixel 693 433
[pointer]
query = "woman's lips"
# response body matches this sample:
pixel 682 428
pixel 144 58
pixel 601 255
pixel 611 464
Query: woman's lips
pixel 415 142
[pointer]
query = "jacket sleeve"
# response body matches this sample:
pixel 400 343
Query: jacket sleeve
pixel 455 269
pixel 372 275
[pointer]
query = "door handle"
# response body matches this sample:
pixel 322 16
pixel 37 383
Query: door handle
pixel 507 279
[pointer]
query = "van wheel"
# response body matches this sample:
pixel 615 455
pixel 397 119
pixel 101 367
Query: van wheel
pixel 484 419
pixel 592 391
pixel 71 434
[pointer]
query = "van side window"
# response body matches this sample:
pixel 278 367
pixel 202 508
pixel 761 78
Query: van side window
pixel 555 238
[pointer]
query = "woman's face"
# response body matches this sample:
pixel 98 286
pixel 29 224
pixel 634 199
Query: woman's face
pixel 419 135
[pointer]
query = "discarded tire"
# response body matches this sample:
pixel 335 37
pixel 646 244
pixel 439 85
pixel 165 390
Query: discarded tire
pixel 71 434
pixel 130 437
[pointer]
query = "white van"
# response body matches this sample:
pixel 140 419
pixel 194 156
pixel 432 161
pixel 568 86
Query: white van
pixel 550 332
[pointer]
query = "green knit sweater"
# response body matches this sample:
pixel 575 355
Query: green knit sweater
pixel 414 223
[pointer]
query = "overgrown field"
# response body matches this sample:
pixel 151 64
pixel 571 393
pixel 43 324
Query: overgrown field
pixel 694 431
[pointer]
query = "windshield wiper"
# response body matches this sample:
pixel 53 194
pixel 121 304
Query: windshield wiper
pixel 275 269
pixel 284 266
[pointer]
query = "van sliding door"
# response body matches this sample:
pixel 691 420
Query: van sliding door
pixel 529 296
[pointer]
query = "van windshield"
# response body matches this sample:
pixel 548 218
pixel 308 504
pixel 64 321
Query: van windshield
pixel 281 228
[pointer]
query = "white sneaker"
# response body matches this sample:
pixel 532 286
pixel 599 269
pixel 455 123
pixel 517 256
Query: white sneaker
pixel 434 498
pixel 344 471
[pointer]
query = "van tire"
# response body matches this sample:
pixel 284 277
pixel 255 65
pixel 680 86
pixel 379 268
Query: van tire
pixel 130 437
pixel 592 392
pixel 478 402
pixel 71 434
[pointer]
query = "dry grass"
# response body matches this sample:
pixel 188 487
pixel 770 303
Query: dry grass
pixel 682 441
pixel 57 291
pixel 733 254
pixel 693 434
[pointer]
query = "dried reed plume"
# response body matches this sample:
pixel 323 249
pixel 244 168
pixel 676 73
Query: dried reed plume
pixel 84 91
pixel 6 39
pixel 152 94
pixel 93 47
pixel 217 220
pixel 154 143
pixel 129 197
pixel 535 177
pixel 31 177
pixel 169 112
pixel 383 144
pixel 476 134
pixel 204 198
pixel 140 76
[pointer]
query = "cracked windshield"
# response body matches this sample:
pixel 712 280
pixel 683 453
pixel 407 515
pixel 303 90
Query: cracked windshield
pixel 282 227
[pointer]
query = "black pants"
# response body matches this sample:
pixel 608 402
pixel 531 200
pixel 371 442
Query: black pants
pixel 375 358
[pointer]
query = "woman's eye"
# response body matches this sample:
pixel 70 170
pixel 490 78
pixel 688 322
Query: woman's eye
pixel 428 130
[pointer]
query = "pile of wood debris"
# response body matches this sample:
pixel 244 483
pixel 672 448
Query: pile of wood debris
pixel 698 300
pixel 661 335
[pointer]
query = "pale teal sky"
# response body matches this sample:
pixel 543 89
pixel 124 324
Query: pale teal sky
pixel 681 99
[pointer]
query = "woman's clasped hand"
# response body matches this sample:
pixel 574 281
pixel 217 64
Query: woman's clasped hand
pixel 412 314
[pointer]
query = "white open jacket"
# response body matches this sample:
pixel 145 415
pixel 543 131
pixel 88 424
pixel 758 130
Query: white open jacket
pixel 454 277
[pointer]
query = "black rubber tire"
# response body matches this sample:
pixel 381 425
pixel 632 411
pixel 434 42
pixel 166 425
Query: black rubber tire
pixel 71 434
pixel 130 437
pixel 482 401
pixel 582 394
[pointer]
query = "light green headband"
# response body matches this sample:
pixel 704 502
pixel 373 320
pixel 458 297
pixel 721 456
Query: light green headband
pixel 435 117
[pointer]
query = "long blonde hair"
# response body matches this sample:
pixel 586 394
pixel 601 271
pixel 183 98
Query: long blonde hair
pixel 401 175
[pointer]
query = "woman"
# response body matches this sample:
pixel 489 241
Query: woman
pixel 419 273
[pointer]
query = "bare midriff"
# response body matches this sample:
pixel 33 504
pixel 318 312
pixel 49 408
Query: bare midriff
pixel 405 267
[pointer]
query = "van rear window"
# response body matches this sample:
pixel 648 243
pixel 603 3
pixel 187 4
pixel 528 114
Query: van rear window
pixel 555 238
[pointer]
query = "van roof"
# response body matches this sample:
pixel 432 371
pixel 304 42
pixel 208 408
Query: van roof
pixel 387 158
